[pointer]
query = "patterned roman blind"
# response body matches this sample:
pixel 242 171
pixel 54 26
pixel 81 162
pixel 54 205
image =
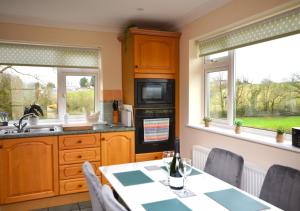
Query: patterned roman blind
pixel 37 55
pixel 281 25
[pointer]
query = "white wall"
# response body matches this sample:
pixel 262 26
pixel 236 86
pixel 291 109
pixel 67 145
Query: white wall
pixel 228 16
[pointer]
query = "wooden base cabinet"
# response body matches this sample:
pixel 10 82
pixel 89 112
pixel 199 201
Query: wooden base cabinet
pixel 28 169
pixel 117 148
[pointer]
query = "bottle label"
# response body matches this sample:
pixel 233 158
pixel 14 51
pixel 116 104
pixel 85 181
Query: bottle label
pixel 176 182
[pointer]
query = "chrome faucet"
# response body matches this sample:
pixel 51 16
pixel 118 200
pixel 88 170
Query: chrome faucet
pixel 20 127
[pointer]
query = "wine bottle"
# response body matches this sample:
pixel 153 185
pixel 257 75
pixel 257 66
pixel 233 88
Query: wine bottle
pixel 176 180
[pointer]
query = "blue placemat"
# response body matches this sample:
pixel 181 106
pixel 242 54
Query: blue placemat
pixel 132 178
pixel 236 201
pixel 194 172
pixel 166 205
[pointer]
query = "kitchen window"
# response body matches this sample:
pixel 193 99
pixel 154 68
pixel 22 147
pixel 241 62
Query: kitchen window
pixel 263 80
pixel 57 90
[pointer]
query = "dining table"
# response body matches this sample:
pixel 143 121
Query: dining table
pixel 142 186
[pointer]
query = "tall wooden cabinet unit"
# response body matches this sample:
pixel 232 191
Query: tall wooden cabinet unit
pixel 28 169
pixel 150 54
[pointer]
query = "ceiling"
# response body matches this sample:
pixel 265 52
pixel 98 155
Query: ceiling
pixel 106 15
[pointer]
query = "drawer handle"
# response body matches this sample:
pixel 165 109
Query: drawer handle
pixel 79 171
pixel 155 157
pixel 1 146
pixel 79 156
pixel 79 141
pixel 103 139
pixel 80 186
pixel 136 66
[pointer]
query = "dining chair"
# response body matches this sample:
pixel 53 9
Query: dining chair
pixel 110 202
pixel 281 188
pixel 225 165
pixel 94 187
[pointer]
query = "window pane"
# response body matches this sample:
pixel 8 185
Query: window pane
pixel 21 86
pixel 268 84
pixel 80 94
pixel 217 94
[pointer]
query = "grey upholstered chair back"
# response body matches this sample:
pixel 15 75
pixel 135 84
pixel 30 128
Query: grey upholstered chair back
pixel 225 165
pixel 94 186
pixel 110 203
pixel 281 188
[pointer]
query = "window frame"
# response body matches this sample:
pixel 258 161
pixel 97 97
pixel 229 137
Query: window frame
pixel 62 73
pixel 222 64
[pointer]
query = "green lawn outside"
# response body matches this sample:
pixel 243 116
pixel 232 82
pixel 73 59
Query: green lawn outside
pixel 272 123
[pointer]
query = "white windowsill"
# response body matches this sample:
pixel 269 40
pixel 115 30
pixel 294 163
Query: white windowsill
pixel 246 136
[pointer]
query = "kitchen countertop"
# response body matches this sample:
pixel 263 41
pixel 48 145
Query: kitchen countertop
pixel 58 131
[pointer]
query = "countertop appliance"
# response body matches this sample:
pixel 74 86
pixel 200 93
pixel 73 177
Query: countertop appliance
pixel 150 93
pixel 296 136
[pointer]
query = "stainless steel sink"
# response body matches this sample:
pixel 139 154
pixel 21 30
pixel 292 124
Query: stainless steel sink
pixel 31 130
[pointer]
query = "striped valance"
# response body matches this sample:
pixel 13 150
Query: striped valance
pixel 37 55
pixel 281 25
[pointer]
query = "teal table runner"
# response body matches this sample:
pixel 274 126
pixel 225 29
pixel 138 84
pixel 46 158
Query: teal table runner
pixel 166 205
pixel 132 178
pixel 236 201
pixel 194 172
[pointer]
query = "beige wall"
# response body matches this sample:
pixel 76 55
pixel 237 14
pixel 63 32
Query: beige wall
pixel 237 11
pixel 107 41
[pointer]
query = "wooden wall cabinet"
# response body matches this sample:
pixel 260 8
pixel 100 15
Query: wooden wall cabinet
pixel 28 169
pixel 155 54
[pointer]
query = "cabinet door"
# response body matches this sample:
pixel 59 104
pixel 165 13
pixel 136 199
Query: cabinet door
pixel 117 148
pixel 155 54
pixel 29 169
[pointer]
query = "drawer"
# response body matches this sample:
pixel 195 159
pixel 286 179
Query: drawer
pixel 79 141
pixel 79 155
pixel 75 171
pixel 73 186
pixel 148 156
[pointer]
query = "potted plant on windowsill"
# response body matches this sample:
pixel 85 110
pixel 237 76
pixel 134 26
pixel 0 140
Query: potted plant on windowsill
pixel 36 110
pixel 207 121
pixel 280 134
pixel 238 123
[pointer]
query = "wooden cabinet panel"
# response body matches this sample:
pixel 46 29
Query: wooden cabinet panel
pixel 29 169
pixel 117 148
pixel 154 54
pixel 148 156
pixel 79 141
pixel 75 171
pixel 73 186
pixel 79 155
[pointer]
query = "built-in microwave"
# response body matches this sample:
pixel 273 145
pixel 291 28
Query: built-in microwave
pixel 154 93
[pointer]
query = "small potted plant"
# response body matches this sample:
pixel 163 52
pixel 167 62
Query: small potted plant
pixel 280 134
pixel 207 121
pixel 3 118
pixel 238 123
pixel 36 110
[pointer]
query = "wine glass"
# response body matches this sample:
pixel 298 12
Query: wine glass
pixel 185 169
pixel 167 159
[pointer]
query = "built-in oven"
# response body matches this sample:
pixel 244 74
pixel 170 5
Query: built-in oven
pixel 154 92
pixel 155 129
